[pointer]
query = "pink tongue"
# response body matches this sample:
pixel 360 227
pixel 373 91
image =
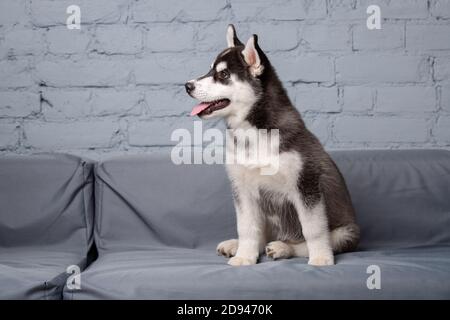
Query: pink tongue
pixel 199 108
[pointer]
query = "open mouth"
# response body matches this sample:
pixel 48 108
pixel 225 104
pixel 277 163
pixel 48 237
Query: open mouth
pixel 206 108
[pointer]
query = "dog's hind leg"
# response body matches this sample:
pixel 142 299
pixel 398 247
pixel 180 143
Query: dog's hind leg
pixel 342 239
pixel 284 250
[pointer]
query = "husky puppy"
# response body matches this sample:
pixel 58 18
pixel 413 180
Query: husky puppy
pixel 304 210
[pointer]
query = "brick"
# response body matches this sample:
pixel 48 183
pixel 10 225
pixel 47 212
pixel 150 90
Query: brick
pixel 171 37
pixel 171 68
pixel 441 132
pixel 356 10
pixel 278 10
pixel 18 104
pixel 118 39
pixel 421 37
pixel 440 8
pixel 15 73
pixel 271 37
pixel 319 126
pixel 64 41
pixel 13 12
pixel 211 36
pixel 169 10
pixel 380 129
pixel 406 99
pixel 346 10
pixel 357 98
pixel 307 69
pixel 445 98
pixel 317 99
pixel 83 73
pixel 60 104
pixel 22 42
pixel 109 101
pixel 376 68
pixel 158 131
pixel 405 9
pixel 80 134
pixel 9 136
pixel 63 104
pixel 46 13
pixel 325 37
pixel 388 37
pixel 442 68
pixel 169 102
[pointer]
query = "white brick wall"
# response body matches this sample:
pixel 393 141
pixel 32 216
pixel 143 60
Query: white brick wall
pixel 381 129
pixel 406 99
pixel 441 131
pixel 118 39
pixel 376 68
pixel 440 8
pixel 428 37
pixel 79 134
pixel 318 99
pixel 61 40
pixel 47 13
pixel 9 137
pixel 445 98
pixel 18 103
pixel 442 68
pixel 15 74
pixel 391 36
pixel 304 68
pixel 116 85
pixel 184 11
pixel 83 73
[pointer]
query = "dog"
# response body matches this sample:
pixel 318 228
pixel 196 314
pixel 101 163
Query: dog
pixel 305 209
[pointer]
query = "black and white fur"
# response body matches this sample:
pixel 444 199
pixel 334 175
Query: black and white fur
pixel 304 210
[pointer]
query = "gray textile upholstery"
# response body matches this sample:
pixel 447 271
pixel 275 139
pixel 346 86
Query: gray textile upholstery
pixel 46 222
pixel 157 226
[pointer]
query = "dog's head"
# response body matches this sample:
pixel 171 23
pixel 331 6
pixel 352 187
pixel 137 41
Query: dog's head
pixel 233 83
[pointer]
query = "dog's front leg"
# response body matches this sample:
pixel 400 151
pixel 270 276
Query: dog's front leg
pixel 250 226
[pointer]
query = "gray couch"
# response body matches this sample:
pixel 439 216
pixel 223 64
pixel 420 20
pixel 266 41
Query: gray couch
pixel 46 223
pixel 156 227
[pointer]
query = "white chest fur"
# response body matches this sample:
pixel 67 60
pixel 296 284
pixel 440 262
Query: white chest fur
pixel 285 167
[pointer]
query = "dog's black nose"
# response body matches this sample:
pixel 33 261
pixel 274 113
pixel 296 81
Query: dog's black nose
pixel 189 87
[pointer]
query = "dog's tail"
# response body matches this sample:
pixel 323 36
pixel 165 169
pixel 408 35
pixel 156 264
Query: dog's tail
pixel 343 239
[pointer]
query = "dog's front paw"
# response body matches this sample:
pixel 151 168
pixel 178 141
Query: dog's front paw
pixel 240 261
pixel 279 250
pixel 228 248
pixel 321 260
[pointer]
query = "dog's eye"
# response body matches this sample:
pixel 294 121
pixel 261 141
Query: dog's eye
pixel 224 74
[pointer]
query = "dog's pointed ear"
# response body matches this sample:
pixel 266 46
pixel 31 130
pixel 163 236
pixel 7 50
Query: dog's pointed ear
pixel 232 39
pixel 251 56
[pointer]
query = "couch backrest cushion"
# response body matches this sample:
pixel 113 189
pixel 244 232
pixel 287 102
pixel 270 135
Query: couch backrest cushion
pixel 144 201
pixel 402 198
pixel 46 200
